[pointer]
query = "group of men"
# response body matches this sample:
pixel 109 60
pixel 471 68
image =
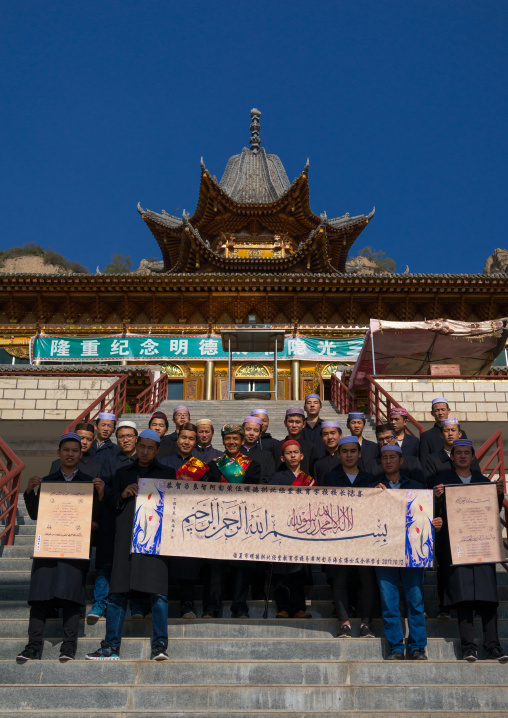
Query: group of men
pixel 314 452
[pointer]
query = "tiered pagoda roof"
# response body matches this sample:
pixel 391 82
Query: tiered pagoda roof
pixel 254 220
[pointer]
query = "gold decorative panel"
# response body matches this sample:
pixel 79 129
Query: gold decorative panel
pixel 191 389
pixel 329 370
pixel 252 370
pixel 172 370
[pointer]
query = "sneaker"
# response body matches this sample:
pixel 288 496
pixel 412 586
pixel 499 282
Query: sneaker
pixel 159 652
pixel 211 614
pixel 302 614
pixel 137 614
pixel 443 615
pixel 344 631
pixel 365 631
pixel 470 655
pixel 29 654
pixel 395 656
pixel 418 655
pixel 66 656
pixel 187 610
pixel 282 614
pixel 95 613
pixel 105 653
pixel 496 654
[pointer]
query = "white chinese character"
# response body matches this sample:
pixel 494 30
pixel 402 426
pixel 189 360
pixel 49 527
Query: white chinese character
pixel 326 348
pixel 179 346
pixel 297 347
pixel 120 347
pixel 60 348
pixel 149 348
pixel 208 347
pixel 90 348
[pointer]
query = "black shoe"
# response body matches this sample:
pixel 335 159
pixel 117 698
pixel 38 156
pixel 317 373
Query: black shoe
pixel 395 656
pixel 187 610
pixel 159 652
pixel 418 655
pixel 471 655
pixel 29 654
pixel 209 613
pixel 496 654
pixel 240 614
pixel 344 631
pixel 365 632
pixel 104 653
pixel 66 656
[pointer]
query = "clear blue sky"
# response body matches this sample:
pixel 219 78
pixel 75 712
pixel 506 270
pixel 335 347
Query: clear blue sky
pixel 401 104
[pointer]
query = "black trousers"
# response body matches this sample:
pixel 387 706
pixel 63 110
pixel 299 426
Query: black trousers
pixel 289 591
pixel 37 623
pixel 339 583
pixel 440 577
pixel 465 616
pixel 214 586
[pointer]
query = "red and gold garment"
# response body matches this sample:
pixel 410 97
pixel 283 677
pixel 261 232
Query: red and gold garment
pixel 233 470
pixel 192 470
pixel 303 480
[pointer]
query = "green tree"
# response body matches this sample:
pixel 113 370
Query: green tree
pixel 118 265
pixel 385 263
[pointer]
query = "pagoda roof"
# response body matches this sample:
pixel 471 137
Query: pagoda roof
pixel 254 197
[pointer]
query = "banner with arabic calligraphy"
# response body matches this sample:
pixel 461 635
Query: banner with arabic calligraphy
pixel 285 524
pixel 137 347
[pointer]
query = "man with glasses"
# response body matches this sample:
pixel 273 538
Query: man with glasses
pixel 181 416
pixel 412 468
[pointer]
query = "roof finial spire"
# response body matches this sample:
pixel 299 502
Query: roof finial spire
pixel 255 128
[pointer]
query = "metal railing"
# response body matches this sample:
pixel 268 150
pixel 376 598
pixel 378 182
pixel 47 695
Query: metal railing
pixel 153 396
pixel 494 468
pixel 112 401
pixel 10 474
pixel 341 395
pixel 379 403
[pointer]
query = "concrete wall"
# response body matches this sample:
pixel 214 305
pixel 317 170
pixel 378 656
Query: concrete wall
pixel 38 398
pixel 469 400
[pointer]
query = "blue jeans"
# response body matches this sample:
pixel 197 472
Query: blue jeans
pixel 101 590
pixel 412 585
pixel 117 607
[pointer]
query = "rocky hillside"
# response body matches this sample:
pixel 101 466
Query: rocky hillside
pixel 497 262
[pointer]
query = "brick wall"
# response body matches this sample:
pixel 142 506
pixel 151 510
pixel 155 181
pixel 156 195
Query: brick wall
pixel 48 398
pixel 469 400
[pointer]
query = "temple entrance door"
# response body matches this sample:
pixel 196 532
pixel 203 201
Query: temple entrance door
pixel 175 389
pixel 252 385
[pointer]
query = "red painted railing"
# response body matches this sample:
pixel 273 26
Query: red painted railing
pixel 153 396
pixel 341 395
pixel 10 475
pixel 494 468
pixel 111 401
pixel 380 402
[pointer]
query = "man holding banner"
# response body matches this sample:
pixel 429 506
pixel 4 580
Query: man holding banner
pixel 58 582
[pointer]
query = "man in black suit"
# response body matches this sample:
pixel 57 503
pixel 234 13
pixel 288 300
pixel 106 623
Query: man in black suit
pixel 412 467
pixel 431 440
pixel 294 423
pixel 252 448
pixel 409 444
pixel 369 449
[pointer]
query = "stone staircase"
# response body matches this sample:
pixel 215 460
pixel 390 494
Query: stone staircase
pixel 222 412
pixel 239 668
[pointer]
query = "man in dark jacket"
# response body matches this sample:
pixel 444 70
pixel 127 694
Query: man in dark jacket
pixel 294 423
pixel 266 441
pixel 160 424
pixel 181 416
pixel 369 449
pixel 348 475
pixel 231 468
pixel 412 467
pixel 102 446
pixel 88 464
pixel 143 573
pixel 312 430
pixel 330 435
pixel 252 449
pixel 58 582
pixel 470 588
pixel 431 440
pixel 204 451
pixel 389 578
pixel 441 462
pixel 409 444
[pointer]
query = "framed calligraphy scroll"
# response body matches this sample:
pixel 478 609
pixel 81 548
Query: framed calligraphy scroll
pixel 285 524
pixel 473 524
pixel 64 520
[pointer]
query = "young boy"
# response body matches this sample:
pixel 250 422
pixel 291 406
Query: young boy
pixel 58 582
pixel 142 573
pixel 471 588
pixel 389 578
pixel 289 579
pixel 346 475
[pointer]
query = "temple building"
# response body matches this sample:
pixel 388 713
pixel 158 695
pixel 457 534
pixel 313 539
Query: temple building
pixel 252 253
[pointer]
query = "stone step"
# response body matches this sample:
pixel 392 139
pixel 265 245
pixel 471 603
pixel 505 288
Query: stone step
pixel 314 698
pixel 226 629
pixel 132 713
